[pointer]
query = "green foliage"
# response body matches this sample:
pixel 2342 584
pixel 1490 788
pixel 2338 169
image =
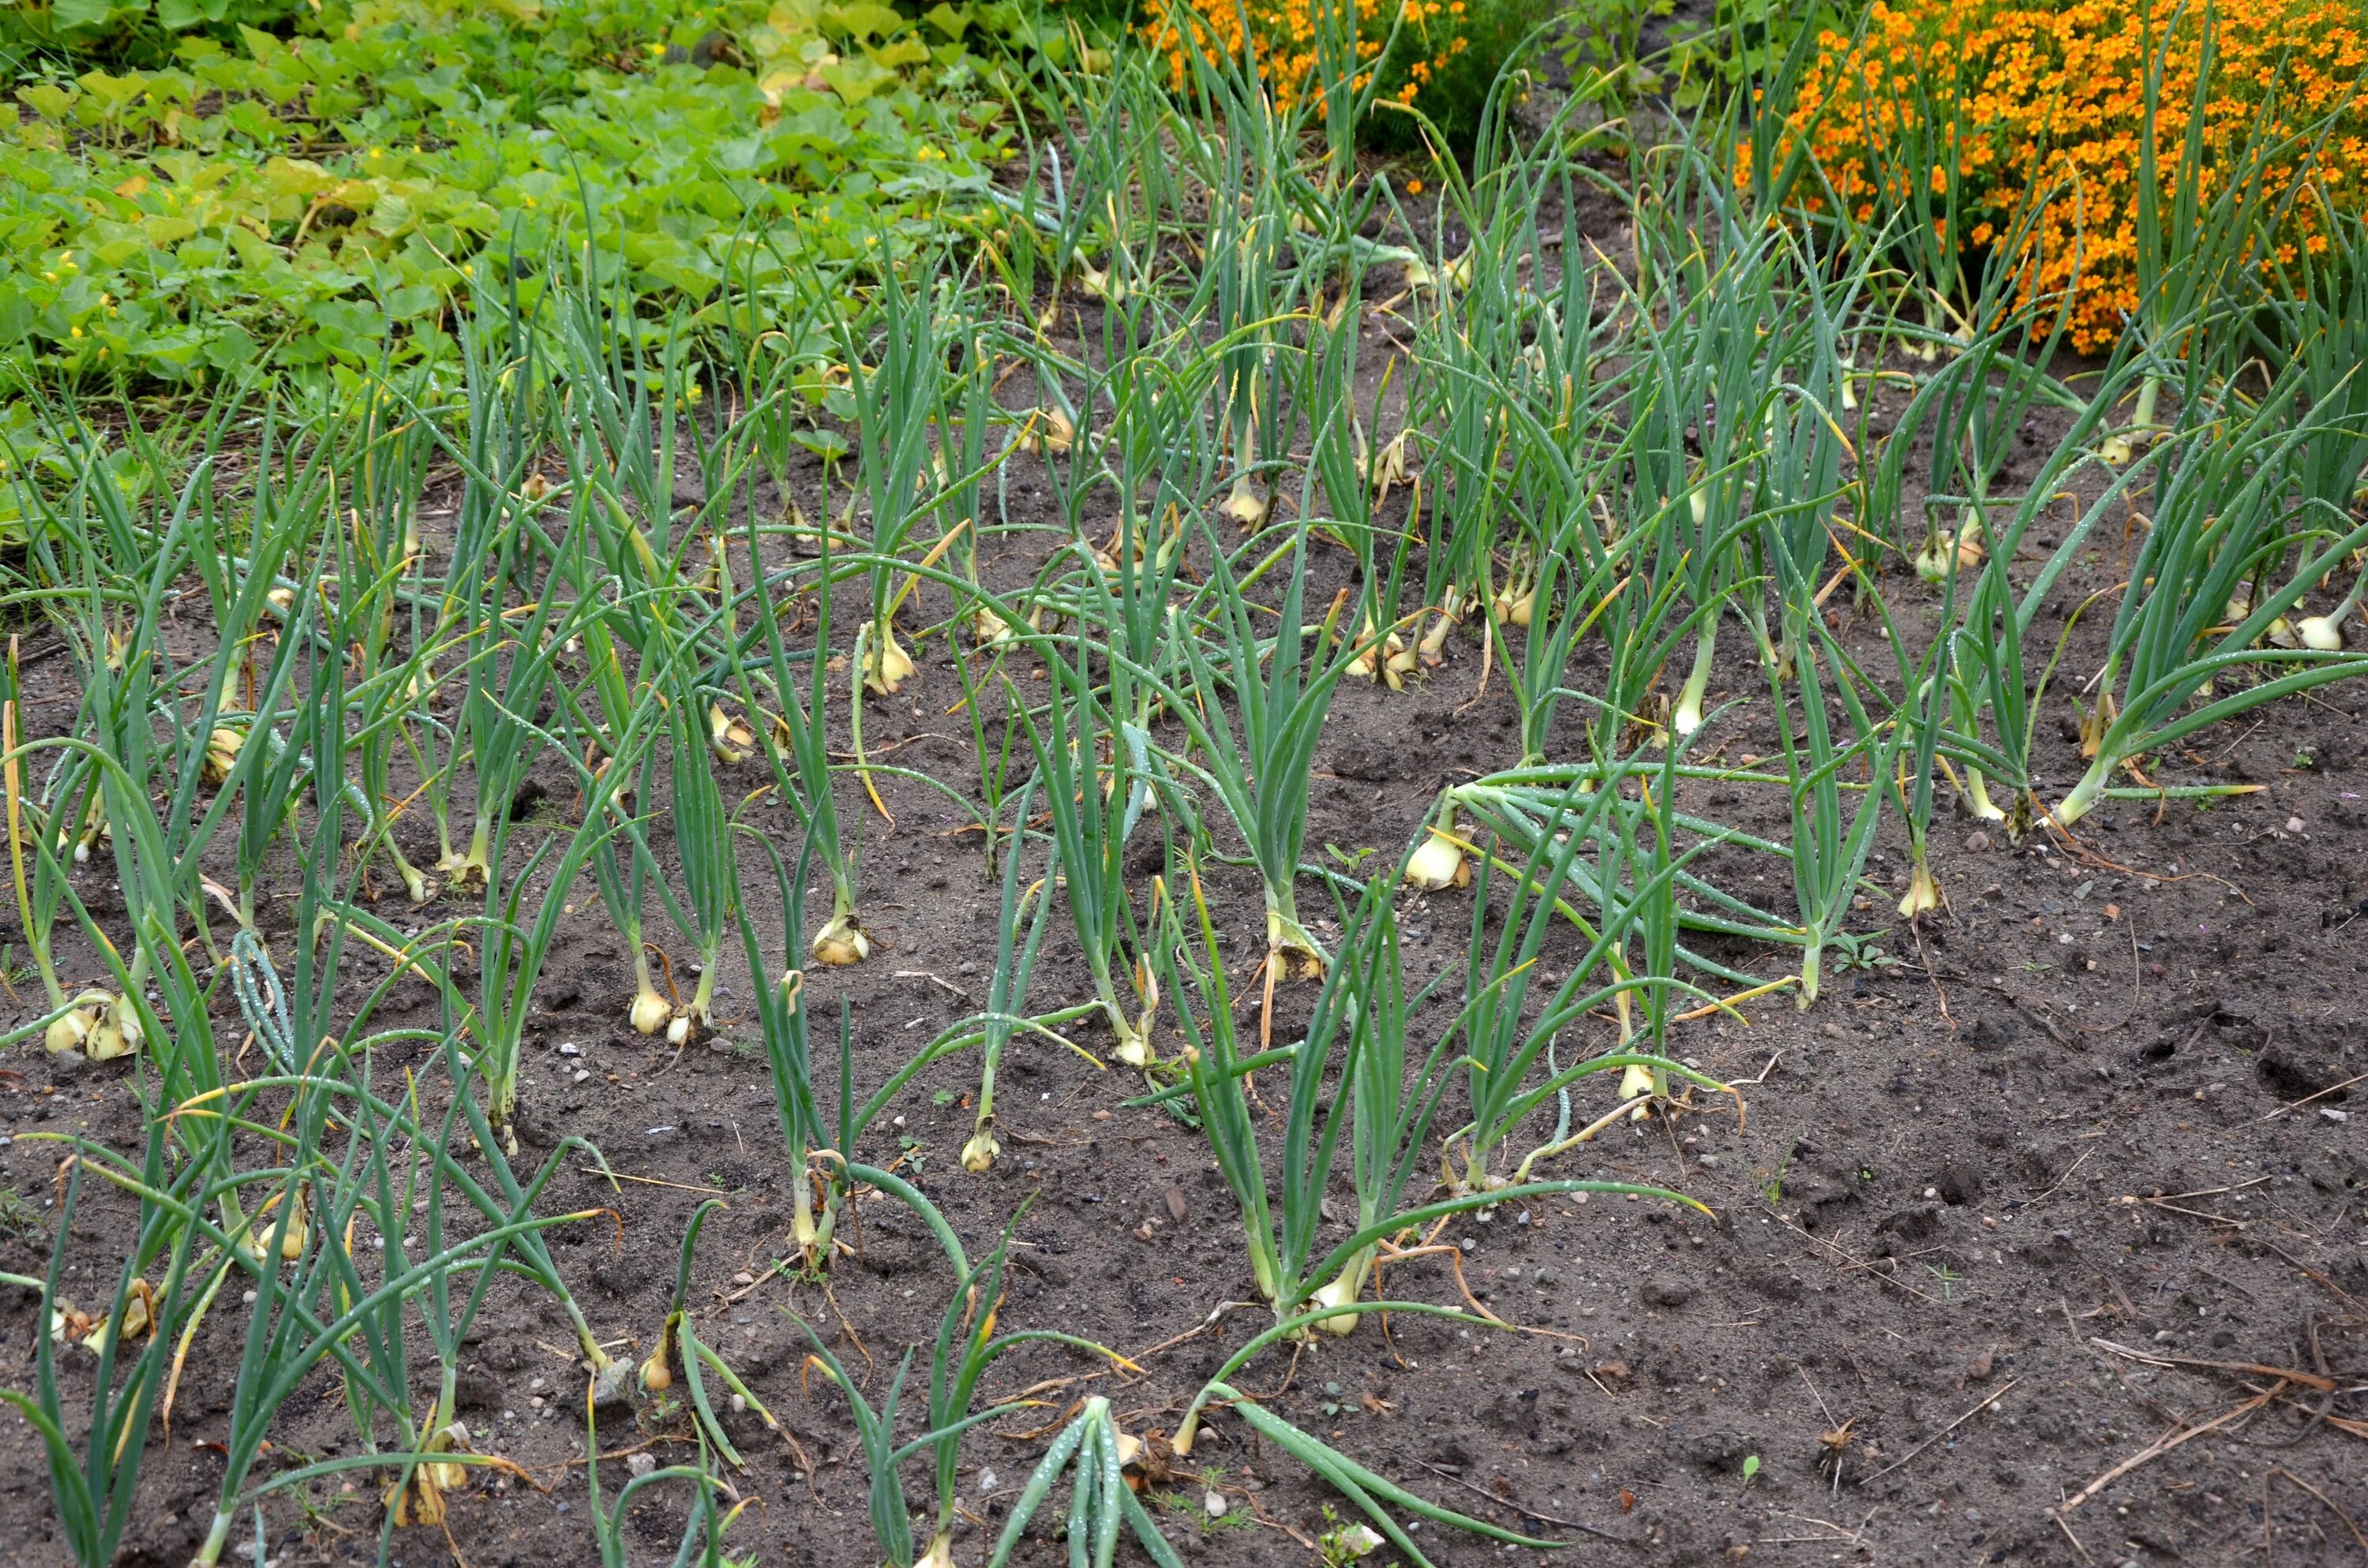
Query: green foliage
pixel 1454 92
pixel 330 196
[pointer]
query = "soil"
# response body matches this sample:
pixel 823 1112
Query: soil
pixel 2065 1174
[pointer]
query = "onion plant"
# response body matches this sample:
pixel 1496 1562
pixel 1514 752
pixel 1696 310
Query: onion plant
pixel 1281 696
pixel 1090 824
pixel 1355 1087
pixel 505 673
pixel 678 1343
pixel 1007 992
pixel 784 1023
pixel 797 749
pixel 1621 832
pixel 2223 527
pixel 1101 1500
pixel 1829 847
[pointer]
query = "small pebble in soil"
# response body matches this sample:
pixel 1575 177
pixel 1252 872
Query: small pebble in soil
pixel 1216 1505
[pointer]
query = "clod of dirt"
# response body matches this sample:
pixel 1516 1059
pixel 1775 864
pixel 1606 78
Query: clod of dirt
pixel 1366 764
pixel 1919 1223
pixel 1994 1031
pixel 475 1390
pixel 1664 1292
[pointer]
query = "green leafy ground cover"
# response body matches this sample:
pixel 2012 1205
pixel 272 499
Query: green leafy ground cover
pixel 204 185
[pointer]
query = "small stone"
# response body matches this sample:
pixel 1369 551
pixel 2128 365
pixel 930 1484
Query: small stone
pixel 1978 842
pixel 744 1278
pixel 1101 1116
pixel 2294 825
pixel 1216 1505
pixel 641 1464
pixel 1176 1204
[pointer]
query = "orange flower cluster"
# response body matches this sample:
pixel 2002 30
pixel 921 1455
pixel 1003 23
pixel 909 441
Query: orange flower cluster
pixel 1430 33
pixel 2048 96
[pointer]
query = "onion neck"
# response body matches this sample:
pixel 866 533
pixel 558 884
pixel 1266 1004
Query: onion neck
pixel 1977 797
pixel 1688 715
pixel 2087 792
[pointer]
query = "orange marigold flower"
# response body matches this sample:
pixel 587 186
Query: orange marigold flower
pixel 2041 106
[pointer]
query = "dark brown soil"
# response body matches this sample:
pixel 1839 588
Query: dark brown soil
pixel 2070 1172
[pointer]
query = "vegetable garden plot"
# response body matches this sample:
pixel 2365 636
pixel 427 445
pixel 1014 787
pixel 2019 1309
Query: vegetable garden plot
pixel 1185 904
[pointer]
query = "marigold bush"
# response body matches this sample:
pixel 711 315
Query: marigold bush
pixel 1446 53
pixel 2050 97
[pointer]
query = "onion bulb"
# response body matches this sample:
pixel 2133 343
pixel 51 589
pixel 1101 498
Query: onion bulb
pixel 452 1439
pixel 891 666
pixel 940 1553
pixel 1964 547
pixel 1050 433
pixel 69 1032
pixel 650 1011
pixel 657 1376
pixel 222 755
pixel 1516 609
pixel 118 1032
pixel 1923 893
pixel 132 1322
pixel 1439 862
pixel 292 1242
pixel 730 738
pixel 1344 1291
pixel 841 942
pixel 978 1154
pixel 611 1380
pixel 678 1030
pixel 1382 657
pixel 1688 715
pixel 2321 634
pixel 2324 633
pixel 1636 1083
pixel 1245 506
pixel 1431 649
